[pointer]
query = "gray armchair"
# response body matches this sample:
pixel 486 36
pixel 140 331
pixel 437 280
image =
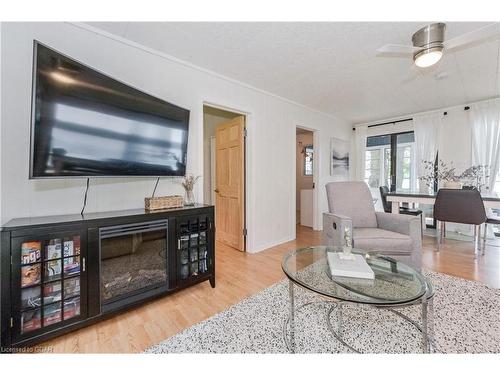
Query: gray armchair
pixel 350 205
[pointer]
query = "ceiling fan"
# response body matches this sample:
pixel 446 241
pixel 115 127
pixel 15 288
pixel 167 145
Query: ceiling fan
pixel 429 43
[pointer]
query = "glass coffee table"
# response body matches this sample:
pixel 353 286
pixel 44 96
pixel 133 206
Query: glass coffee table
pixel 396 285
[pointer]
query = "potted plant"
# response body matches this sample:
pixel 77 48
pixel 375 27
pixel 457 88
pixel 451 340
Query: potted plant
pixel 475 176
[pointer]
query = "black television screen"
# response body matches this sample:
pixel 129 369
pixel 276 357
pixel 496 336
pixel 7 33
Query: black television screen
pixel 86 124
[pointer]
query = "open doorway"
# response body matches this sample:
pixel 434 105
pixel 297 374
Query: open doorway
pixel 224 173
pixel 304 177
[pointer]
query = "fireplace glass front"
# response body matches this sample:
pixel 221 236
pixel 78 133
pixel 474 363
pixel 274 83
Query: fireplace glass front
pixel 133 259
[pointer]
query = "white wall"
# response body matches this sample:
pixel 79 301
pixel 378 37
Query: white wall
pixel 271 124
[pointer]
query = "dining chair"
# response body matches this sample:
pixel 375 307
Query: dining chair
pixel 493 219
pixel 463 207
pixel 384 190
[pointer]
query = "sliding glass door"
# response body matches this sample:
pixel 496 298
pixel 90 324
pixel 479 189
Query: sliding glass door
pixel 390 161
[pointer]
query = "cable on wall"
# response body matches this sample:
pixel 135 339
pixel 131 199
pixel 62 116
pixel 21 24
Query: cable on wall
pixel 85 197
pixel 156 185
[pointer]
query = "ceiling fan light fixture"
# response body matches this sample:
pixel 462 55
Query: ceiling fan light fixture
pixel 428 57
pixel 429 39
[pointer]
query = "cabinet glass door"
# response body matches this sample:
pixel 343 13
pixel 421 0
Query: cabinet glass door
pixel 193 257
pixel 48 273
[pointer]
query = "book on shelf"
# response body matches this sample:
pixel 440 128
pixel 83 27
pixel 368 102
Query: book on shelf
pixel 30 252
pixel 357 267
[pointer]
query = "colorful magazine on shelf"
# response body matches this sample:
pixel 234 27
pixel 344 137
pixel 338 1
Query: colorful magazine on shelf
pixel 71 265
pixel 30 252
pixel 53 268
pixel 31 275
pixel 52 314
pixel 76 245
pixel 68 248
pixel 53 249
pixel 31 320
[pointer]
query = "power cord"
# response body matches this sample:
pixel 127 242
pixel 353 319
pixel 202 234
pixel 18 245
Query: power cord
pixel 156 185
pixel 85 197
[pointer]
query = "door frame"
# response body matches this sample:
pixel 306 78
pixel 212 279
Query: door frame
pixel 248 241
pixel 316 168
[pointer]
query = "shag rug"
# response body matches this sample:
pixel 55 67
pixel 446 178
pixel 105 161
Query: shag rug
pixel 466 320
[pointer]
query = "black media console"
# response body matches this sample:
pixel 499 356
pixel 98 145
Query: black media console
pixel 60 273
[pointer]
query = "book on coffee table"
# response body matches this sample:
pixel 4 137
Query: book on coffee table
pixel 356 267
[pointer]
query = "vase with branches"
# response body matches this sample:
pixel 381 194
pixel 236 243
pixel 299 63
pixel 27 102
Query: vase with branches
pixel 188 183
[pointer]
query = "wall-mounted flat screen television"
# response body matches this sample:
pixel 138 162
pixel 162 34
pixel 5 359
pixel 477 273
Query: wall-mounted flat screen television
pixel 86 124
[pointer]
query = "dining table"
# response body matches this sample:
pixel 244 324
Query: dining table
pixel 396 198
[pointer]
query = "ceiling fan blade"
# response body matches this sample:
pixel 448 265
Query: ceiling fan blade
pixel 397 49
pixel 485 32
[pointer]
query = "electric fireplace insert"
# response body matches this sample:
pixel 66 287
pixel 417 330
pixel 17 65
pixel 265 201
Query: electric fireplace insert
pixel 133 260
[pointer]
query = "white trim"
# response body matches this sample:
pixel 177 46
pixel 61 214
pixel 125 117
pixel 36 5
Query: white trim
pixel 163 55
pixel 271 244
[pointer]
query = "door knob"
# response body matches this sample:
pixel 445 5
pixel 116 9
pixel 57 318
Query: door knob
pixel 217 191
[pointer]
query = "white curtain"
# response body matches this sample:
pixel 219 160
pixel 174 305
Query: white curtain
pixel 360 146
pixel 486 136
pixel 426 128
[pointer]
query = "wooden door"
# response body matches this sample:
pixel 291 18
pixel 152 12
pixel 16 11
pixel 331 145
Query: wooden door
pixel 230 183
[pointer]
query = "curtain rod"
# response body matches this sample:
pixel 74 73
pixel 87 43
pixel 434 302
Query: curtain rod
pixel 466 108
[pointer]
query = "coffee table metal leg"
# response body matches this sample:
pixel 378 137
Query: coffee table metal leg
pixel 430 323
pixel 339 319
pixel 425 336
pixel 292 315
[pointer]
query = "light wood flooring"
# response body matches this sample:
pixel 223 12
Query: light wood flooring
pixel 240 275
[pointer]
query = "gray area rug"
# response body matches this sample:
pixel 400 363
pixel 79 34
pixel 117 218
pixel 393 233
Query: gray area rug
pixel 466 320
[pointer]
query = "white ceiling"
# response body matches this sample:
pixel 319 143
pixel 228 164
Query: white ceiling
pixel 332 67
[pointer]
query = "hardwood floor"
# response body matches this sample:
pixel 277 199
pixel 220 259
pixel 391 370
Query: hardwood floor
pixel 240 275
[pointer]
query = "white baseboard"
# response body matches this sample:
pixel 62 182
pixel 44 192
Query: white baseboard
pixel 270 244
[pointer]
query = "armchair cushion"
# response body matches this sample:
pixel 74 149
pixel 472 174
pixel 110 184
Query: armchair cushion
pixel 382 240
pixel 396 223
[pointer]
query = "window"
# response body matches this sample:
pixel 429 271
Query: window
pixel 372 167
pixel 308 160
pixel 403 173
pixel 379 160
pixel 496 188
